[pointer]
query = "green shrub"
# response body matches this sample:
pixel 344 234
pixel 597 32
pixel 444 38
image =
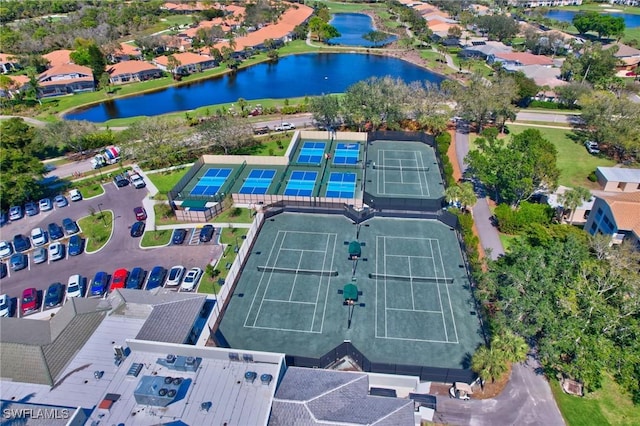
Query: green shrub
pixel 544 104
pixel 592 177
pixel 514 221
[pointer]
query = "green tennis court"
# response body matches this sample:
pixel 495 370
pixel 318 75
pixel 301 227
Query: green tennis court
pixel 413 304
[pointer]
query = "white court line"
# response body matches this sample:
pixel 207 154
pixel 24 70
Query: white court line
pixel 455 329
pixel 284 329
pixel 295 278
pixel 424 175
pixel 419 340
pixel 275 240
pixel 414 310
pixel 324 260
pixel 384 253
pixel 270 276
pixel 439 296
pixel 326 296
pixel 415 158
pixel 288 301
pixel 302 250
pixel 404 255
pixel 413 300
pixel 375 317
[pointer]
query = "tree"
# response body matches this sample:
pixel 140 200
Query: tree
pixel 105 82
pixel 498 27
pixel 375 37
pixel 604 25
pixel 462 194
pixel 569 94
pixel 592 65
pixel 489 363
pixel 75 133
pixel 226 132
pixel 89 54
pixel 326 111
pixel 172 65
pixel 156 141
pixel 454 32
pixel 515 171
pixel 514 347
pixel 574 198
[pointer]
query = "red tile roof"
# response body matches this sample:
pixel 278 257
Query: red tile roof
pixel 130 67
pixel 525 58
pixel 128 49
pixel 625 208
pixel 8 57
pixel 186 58
pixel 291 18
pixel 58 57
pixel 85 74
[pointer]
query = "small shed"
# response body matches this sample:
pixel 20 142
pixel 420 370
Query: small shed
pixel 618 179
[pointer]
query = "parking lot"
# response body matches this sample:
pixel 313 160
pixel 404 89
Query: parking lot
pixel 121 251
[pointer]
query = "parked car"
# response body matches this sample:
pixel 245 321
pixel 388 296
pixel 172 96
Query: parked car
pixel 100 284
pixel 45 205
pixel 4 218
pixel 31 209
pixel 75 245
pixel 75 195
pixel 140 212
pixel 120 181
pixel 55 231
pixel 29 300
pixel 262 130
pixel 21 243
pixel 75 287
pixel 39 255
pixel 284 126
pixel 6 249
pixel 119 279
pixel 3 270
pixel 56 251
pixel 206 233
pixel 61 201
pixel 175 275
pixel 136 278
pixel 70 226
pixel 38 237
pixel 190 281
pixel 15 212
pixel 18 261
pixel 137 181
pixel 178 236
pixel 156 277
pixel 54 295
pixel 137 229
pixel 592 147
pixel 5 306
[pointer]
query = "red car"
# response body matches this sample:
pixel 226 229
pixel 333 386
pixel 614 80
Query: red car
pixel 29 301
pixel 119 279
pixel 141 213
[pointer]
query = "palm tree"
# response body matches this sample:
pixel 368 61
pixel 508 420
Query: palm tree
pixel 461 193
pixel 514 347
pixel 573 198
pixel 489 363
pixel 173 64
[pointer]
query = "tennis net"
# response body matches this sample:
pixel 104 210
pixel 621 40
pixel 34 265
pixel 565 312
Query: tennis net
pixel 298 271
pixel 431 280
pixel 401 168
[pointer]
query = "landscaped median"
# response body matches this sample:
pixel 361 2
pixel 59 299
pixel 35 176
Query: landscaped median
pixel 233 239
pixel 156 238
pixel 96 229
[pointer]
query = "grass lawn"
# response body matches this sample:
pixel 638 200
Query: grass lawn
pixel 164 181
pixel 156 238
pixel 507 240
pixel 608 405
pixel 268 145
pixel 210 284
pixel 96 229
pixel 574 161
pixel 90 189
pixel 234 215
pixel 164 215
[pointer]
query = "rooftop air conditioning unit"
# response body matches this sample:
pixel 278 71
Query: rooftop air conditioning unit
pixel 171 358
pixel 266 378
pixel 250 376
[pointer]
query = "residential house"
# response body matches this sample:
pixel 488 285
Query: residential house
pixel 484 49
pixel 628 56
pixel 579 216
pixel 619 179
pixel 18 84
pixel 126 52
pixel 66 79
pixel 616 215
pixel 519 59
pixel 58 57
pixel 8 63
pixel 545 3
pixel 129 71
pixel 189 63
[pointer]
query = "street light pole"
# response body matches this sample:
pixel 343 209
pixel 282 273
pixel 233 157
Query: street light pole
pixel 102 215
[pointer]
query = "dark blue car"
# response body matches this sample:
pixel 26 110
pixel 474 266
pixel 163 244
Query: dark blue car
pixel 136 278
pixel 54 295
pixel 156 277
pixel 70 227
pixel 99 284
pixel 55 231
pixel 75 245
pixel 21 243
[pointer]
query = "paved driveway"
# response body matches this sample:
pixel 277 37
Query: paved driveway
pixel 121 251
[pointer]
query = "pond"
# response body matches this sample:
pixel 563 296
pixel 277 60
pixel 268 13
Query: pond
pixel 630 21
pixel 352 26
pixel 310 74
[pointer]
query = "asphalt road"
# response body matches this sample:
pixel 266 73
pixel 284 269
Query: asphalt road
pixel 121 251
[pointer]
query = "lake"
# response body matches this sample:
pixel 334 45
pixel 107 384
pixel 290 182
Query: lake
pixel 352 26
pixel 631 21
pixel 310 74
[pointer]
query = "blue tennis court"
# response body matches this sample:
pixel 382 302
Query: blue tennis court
pixel 347 153
pixel 301 183
pixel 311 153
pixel 258 181
pixel 341 185
pixel 211 182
